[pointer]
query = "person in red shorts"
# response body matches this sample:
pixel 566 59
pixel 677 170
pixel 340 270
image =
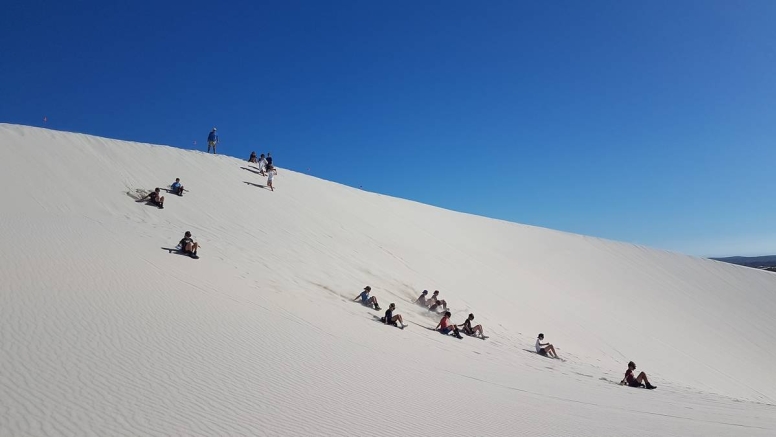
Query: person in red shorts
pixel 636 381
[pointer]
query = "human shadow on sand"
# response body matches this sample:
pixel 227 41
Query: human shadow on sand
pixel 255 185
pixel 252 171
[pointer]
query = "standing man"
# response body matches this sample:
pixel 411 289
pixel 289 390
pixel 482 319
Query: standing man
pixel 269 158
pixel 212 140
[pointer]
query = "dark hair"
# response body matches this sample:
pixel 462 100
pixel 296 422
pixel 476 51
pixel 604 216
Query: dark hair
pixel 631 364
pixel 541 335
pixel 448 314
pixel 471 316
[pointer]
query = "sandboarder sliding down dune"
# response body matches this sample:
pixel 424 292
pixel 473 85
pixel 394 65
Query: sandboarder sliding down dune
pixel 188 246
pixel 390 319
pixel 637 381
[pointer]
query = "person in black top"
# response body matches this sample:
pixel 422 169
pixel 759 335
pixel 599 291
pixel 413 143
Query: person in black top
pixel 390 319
pixel 188 245
pixel 468 330
pixel 269 159
pixel 636 381
pixel 253 158
pixel 155 198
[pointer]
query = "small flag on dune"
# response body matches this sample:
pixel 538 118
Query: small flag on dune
pixel 45 119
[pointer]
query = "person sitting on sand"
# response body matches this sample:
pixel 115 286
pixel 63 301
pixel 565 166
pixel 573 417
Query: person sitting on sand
pixel 421 300
pixel 155 198
pixel 638 381
pixel 390 319
pixel 468 330
pixel 445 327
pixel 176 187
pixel 253 158
pixel 435 302
pixel 187 245
pixel 366 300
pixel 545 349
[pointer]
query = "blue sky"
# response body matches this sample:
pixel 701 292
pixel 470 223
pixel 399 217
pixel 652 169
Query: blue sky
pixel 648 122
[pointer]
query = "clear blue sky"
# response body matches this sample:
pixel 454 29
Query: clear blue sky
pixel 649 122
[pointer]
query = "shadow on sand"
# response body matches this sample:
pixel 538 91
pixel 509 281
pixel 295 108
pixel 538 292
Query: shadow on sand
pixel 255 185
pixel 252 171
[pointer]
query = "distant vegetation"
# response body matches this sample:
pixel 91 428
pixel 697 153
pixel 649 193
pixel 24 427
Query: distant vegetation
pixel 767 262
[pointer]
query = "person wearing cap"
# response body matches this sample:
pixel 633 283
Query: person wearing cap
pixel 390 319
pixel 212 141
pixel 445 327
pixel 366 300
pixel 421 300
pixel 545 349
pixel 188 245
pixel 468 330
pixel 637 381
pixel 176 187
pixel 155 198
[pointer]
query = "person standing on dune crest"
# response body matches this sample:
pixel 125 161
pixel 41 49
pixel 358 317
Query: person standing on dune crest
pixel 212 141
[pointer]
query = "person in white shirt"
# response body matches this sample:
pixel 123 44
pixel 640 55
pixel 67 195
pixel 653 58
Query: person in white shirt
pixel 262 164
pixel 271 172
pixel 545 349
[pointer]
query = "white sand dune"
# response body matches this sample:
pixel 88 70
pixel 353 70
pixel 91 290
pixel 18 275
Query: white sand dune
pixel 103 333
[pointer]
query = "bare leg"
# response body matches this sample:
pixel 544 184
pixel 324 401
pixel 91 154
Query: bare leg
pixel 397 318
pixel 551 348
pixel 642 378
pixel 479 328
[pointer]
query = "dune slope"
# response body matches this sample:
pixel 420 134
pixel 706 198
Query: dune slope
pixel 104 333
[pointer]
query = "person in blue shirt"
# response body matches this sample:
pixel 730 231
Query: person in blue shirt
pixel 212 140
pixel 366 300
pixel 176 187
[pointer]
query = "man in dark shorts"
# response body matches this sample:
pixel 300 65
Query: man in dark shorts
pixel 640 381
pixel 187 245
pixel 469 330
pixel 390 319
pixel 434 302
pixel 545 349
pixel 155 198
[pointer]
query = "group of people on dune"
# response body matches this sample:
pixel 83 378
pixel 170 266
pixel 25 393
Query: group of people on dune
pixel 446 327
pixel 432 304
pixel 265 167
